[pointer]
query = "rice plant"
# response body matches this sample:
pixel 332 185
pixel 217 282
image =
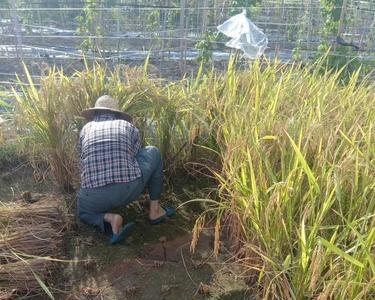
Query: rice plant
pixel 291 149
pixel 50 115
pixel 297 181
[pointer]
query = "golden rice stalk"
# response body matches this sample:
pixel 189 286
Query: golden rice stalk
pixel 198 226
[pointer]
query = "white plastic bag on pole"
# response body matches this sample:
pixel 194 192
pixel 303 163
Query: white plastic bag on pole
pixel 246 36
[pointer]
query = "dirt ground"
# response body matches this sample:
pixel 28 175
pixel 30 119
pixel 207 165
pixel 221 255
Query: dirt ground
pixel 154 263
pixel 159 268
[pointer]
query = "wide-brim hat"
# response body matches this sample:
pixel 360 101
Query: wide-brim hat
pixel 105 104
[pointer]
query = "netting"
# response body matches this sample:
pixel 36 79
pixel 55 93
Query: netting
pixel 117 31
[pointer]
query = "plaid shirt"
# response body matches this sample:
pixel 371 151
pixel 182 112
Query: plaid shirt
pixel 108 147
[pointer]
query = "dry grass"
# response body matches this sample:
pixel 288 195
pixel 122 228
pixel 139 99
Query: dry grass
pixel 30 235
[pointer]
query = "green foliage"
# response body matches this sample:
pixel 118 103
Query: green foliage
pixel 153 20
pixel 331 11
pixel 88 25
pixel 153 25
pixel 249 5
pixel 206 46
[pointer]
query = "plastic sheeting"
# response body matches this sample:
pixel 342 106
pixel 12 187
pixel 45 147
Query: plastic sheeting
pixel 246 36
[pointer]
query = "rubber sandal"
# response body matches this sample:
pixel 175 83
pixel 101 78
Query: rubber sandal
pixel 169 212
pixel 126 230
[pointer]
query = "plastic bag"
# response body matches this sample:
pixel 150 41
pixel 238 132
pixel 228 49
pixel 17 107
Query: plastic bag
pixel 246 36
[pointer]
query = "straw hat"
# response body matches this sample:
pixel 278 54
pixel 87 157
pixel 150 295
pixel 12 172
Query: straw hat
pixel 105 104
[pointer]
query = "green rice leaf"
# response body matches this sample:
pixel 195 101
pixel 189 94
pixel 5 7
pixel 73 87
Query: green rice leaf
pixel 341 253
pixel 312 180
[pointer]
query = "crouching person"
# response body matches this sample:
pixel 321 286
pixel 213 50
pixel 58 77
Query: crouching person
pixel 115 170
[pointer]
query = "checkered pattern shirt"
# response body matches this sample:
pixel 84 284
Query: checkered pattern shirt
pixel 108 147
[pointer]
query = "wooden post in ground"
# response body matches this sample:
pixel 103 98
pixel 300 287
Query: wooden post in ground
pixel 16 29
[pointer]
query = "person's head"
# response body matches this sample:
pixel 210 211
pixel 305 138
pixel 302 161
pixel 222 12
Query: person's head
pixel 106 104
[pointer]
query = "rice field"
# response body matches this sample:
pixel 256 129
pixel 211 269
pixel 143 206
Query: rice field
pixel 289 150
